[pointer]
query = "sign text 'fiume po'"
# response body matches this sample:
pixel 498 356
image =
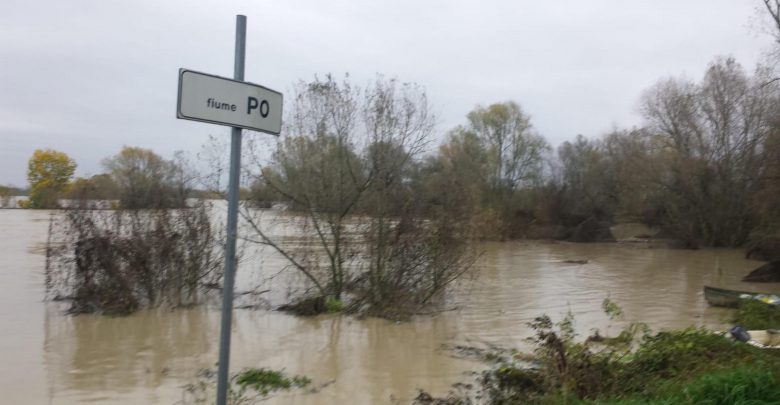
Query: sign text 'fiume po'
pixel 218 100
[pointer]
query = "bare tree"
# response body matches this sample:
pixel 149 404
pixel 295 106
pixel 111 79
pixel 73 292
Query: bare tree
pixel 710 136
pixel 773 9
pixel 515 148
pixel 146 180
pixel 344 165
pixel 316 170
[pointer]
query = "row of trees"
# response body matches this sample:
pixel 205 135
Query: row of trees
pixel 700 168
pixel 703 167
pixel 135 177
pixel 387 229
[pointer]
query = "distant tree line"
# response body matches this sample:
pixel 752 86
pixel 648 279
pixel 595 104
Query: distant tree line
pixel 704 168
pixel 135 177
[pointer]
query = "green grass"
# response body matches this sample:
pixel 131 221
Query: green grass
pixel 745 385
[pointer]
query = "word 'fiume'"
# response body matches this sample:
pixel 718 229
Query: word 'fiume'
pixel 220 105
pixel 252 103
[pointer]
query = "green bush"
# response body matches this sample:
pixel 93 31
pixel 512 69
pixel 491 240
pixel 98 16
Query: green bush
pixel 686 366
pixel 689 366
pixel 753 314
pixel 671 354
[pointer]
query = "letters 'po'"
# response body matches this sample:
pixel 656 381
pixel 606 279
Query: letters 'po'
pixel 261 106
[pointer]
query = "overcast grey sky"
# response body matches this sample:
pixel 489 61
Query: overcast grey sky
pixel 86 77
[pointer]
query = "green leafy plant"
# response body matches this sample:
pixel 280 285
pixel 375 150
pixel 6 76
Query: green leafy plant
pixel 753 314
pixel 265 381
pixel 249 386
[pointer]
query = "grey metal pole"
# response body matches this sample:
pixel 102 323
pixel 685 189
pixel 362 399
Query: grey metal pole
pixel 232 225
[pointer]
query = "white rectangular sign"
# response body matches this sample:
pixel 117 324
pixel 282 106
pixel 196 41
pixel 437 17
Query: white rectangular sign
pixel 214 99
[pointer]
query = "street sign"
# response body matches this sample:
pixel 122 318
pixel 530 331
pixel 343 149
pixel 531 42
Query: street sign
pixel 218 100
pixel 237 104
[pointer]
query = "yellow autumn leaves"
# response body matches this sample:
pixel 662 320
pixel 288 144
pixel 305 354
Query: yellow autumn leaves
pixel 49 173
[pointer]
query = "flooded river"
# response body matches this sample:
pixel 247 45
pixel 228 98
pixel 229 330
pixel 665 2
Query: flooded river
pixel 146 358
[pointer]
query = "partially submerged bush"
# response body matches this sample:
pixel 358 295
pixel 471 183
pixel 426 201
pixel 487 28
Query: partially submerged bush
pixel 689 366
pixel 117 262
pixel 411 262
pixel 265 381
pixel 348 167
pixel 249 386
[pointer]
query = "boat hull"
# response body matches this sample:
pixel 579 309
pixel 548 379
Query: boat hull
pixel 721 297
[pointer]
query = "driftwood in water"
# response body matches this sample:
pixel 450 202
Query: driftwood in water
pixel 575 261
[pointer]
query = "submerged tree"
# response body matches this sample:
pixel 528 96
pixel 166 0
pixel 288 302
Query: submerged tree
pixel 514 148
pixel 48 172
pixel 146 180
pixel 346 166
pixel 316 170
pixel 86 191
pixel 455 182
pixel 5 196
pixel 588 183
pixel 708 141
pixel 493 158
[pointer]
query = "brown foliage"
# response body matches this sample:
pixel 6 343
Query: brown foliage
pixel 120 261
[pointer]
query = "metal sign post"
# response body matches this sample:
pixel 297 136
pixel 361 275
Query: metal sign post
pixel 238 104
pixel 232 225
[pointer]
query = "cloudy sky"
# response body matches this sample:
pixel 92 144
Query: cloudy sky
pixel 86 77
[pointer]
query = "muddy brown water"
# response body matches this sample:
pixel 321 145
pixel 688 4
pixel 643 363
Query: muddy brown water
pixel 52 358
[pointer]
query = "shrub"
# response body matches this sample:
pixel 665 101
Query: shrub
pixel 117 262
pixel 690 366
pixel 753 314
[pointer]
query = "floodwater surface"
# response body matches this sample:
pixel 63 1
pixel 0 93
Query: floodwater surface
pixel 53 358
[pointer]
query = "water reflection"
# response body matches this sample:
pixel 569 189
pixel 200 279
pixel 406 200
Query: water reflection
pixel 94 354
